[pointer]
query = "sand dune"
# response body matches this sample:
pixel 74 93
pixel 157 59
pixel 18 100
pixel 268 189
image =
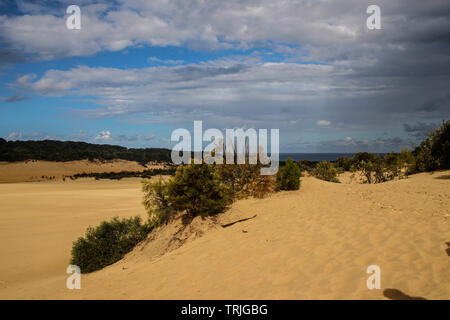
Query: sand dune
pixel 315 243
pixel 33 170
pixel 39 221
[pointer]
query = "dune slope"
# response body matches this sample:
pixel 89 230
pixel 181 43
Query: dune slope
pixel 314 243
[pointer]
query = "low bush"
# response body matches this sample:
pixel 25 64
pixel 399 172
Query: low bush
pixel 156 201
pixel 325 171
pixel 306 165
pixel 343 163
pixel 240 181
pixel 289 176
pixel 379 169
pixel 107 243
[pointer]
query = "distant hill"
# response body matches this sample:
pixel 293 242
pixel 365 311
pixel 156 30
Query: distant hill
pixel 52 150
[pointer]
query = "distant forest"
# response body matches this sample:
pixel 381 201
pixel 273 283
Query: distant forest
pixel 52 150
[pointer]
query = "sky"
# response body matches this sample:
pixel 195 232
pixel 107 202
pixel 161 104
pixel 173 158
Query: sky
pixel 139 69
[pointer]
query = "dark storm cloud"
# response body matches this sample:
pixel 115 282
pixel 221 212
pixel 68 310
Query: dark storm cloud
pixel 420 129
pixel 198 72
pixel 16 98
pixel 8 56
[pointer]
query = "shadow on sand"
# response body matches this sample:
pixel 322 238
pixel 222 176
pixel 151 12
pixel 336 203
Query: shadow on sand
pixel 395 294
pixel 444 177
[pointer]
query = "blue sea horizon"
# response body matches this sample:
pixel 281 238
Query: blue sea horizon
pixel 314 156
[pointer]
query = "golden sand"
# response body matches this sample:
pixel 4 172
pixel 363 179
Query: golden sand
pixel 314 243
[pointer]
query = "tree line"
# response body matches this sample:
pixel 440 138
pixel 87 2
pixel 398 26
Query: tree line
pixel 52 150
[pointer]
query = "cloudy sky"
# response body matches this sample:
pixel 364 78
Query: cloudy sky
pixel 138 69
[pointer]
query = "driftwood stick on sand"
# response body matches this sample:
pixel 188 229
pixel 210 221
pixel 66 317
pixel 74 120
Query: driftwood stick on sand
pixel 231 223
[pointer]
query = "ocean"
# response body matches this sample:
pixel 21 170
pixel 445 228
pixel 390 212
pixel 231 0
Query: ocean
pixel 314 156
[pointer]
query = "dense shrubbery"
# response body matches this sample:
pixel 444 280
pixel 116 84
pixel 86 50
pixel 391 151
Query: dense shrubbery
pixel 289 176
pixel 107 243
pixel 52 150
pixel 125 174
pixel 156 201
pixel 203 190
pixel 376 169
pixel 344 163
pixel 434 152
pixel 197 189
pixel 306 165
pixel 244 180
pixel 325 171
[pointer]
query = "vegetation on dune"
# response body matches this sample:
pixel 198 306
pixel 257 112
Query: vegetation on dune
pixel 107 243
pixel 289 176
pixel 434 152
pixel 204 190
pixel 52 150
pixel 125 174
pixel 197 189
pixel 325 171
pixel 244 180
pixel 156 202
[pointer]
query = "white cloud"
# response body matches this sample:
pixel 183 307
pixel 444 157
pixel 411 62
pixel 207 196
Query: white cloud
pixel 38 135
pixel 80 135
pixel 104 135
pixel 253 92
pixel 15 135
pixel 165 61
pixel 323 123
pixel 336 29
pixel 149 137
pixel 177 91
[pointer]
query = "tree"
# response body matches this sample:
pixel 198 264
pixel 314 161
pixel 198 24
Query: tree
pixel 434 152
pixel 289 177
pixel 197 189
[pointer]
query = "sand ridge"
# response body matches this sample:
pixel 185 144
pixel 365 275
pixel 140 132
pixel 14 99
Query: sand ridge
pixel 314 243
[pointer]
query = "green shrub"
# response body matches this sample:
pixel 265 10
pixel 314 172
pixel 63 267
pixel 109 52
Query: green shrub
pixel 343 164
pixel 306 165
pixel 407 161
pixel 325 171
pixel 107 243
pixel 289 176
pixel 245 180
pixel 379 169
pixel 197 189
pixel 156 201
pixel 434 152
